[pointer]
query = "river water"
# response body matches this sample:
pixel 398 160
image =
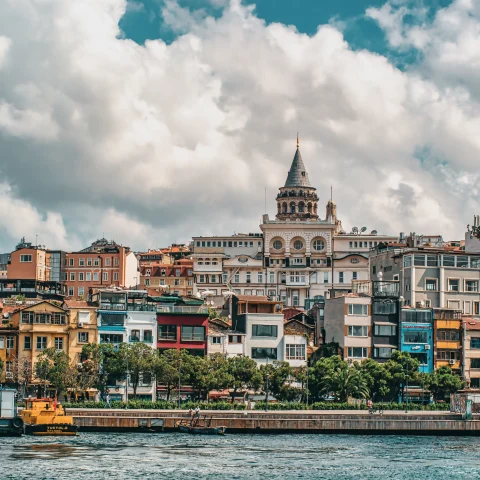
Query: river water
pixel 176 455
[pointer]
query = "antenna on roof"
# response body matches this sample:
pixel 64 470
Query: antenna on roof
pixel 265 200
pixel 331 194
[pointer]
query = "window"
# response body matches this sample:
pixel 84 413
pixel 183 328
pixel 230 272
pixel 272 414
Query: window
pixel 248 277
pixel 2 343
pixel 475 363
pixel 318 245
pixel 81 262
pixel 357 352
pixel 82 337
pixel 448 335
pixel 354 275
pixel 201 279
pixel 431 284
pixel 432 261
pixel 325 277
pixel 383 352
pixel 260 353
pixel 216 340
pixel 147 282
pixel 27 343
pixel 415 337
pixel 111 338
pixel 357 331
pixel 41 343
pixel 167 332
pixel 105 276
pixel 453 284
pixel 58 319
pixel 10 343
pixel 96 262
pixel 236 278
pixel 350 244
pixel 81 276
pixel 89 262
pixel 71 292
pixel 295 352
pixel 115 276
pixel 108 261
pixel 419 260
pixel 95 276
pixel 474 262
pixel 177 281
pixel 448 261
pixel 72 276
pixel 340 277
pixel 58 343
pixel 381 308
pixel 88 277
pixel 407 261
pixel 421 357
pixel 260 277
pixel 462 261
pixel 27 317
pixel 71 262
pixel 298 245
pixel 264 330
pixel 272 277
pixel 162 281
pixel 25 258
pixel 190 334
pixel 475 342
pixel 471 285
pixel 385 330
pixel 234 339
pixel 354 309
pixel 115 261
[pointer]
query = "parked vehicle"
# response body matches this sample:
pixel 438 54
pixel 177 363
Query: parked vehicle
pixel 11 424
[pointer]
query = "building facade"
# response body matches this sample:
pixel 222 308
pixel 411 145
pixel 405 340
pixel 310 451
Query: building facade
pixel 447 334
pixel 471 345
pixel 176 278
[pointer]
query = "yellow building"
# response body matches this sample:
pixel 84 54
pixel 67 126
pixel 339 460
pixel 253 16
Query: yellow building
pixel 40 326
pixel 447 335
pixel 82 327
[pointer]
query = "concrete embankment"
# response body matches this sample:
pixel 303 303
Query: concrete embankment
pixel 351 422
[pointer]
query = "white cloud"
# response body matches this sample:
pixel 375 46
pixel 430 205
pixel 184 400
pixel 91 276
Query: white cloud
pixel 156 143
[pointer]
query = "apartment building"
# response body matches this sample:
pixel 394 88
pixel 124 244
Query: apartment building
pixel 102 264
pixel 348 321
pixel 447 334
pixel 176 278
pixel 471 345
pixel 222 339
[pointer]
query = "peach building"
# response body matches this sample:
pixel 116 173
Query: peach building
pixel 176 278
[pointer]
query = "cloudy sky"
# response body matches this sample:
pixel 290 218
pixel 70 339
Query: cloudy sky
pixel 152 121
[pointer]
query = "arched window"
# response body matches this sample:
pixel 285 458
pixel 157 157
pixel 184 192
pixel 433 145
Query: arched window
pixel 292 207
pixel 298 245
pixel 318 244
pixel 285 207
pixel 301 207
pixel 309 208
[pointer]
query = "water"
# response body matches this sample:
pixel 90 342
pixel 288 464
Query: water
pixel 175 456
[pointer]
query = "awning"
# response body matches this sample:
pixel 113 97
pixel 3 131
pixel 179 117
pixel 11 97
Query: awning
pixel 389 324
pixel 381 345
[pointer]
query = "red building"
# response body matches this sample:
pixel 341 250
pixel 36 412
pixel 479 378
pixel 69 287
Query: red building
pixel 183 327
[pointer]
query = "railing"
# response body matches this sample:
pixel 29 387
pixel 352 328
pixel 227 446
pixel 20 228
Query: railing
pixel 183 309
pixel 141 307
pixel 303 283
pixel 199 337
pixel 167 337
pixel 207 268
pixel 136 338
pixel 113 306
pixel 112 322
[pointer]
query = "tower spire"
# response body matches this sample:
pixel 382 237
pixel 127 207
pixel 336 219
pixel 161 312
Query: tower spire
pixel 298 141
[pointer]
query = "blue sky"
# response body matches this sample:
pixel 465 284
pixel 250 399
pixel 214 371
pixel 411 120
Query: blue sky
pixel 143 21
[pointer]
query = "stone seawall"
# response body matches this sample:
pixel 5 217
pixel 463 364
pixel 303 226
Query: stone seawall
pixel 351 422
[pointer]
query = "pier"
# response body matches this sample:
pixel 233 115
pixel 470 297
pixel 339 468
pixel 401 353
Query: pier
pixel 336 422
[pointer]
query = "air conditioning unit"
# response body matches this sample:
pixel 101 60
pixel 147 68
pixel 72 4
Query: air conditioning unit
pixel 451 362
pixel 427 347
pixel 8 374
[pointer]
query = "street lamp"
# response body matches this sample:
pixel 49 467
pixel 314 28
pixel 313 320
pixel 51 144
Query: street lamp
pixel 406 408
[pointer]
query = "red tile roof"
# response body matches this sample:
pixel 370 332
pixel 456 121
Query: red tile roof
pixel 71 303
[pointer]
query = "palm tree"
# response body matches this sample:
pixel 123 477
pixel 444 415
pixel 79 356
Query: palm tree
pixel 345 383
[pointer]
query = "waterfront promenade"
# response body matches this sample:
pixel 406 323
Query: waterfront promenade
pixel 255 421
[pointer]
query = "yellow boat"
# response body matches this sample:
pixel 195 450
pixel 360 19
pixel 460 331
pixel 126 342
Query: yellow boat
pixel 44 416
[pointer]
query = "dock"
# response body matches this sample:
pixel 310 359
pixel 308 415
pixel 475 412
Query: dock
pixel 255 421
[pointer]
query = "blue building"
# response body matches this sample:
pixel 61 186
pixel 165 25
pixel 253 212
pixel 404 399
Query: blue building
pixel 416 336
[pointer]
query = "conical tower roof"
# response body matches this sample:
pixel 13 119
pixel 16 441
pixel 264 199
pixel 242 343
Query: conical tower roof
pixel 297 175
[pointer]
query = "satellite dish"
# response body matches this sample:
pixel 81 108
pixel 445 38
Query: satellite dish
pixel 355 230
pixel 363 229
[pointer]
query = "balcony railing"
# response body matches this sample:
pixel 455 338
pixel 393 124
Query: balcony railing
pixel 183 309
pixel 116 322
pixel 207 268
pixel 141 307
pixel 136 339
pixel 113 306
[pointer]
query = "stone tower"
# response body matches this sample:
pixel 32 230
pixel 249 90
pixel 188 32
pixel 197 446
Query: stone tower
pixel 297 199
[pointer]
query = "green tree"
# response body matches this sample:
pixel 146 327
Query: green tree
pixel 169 366
pixel 378 378
pixel 136 361
pixel 321 369
pixel 401 364
pixel 345 383
pixel 243 374
pixel 2 370
pixel 279 384
pixel 53 366
pixel 443 382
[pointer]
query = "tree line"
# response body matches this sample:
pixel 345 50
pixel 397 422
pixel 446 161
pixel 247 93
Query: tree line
pixel 103 365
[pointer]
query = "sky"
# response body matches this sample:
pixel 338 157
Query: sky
pixel 149 122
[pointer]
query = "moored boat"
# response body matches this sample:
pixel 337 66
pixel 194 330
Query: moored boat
pixel 11 425
pixel 44 416
pixel 200 427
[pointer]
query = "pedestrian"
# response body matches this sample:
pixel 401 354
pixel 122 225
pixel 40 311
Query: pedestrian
pixel 370 405
pixel 197 412
pixel 108 400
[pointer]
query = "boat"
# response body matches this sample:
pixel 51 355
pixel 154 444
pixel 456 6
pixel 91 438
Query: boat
pixel 200 427
pixel 11 425
pixel 44 416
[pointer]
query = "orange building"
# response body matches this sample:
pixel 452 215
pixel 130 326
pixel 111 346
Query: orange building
pixel 176 278
pixel 102 264
pixel 28 262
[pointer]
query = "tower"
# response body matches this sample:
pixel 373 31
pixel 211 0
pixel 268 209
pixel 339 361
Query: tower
pixel 297 199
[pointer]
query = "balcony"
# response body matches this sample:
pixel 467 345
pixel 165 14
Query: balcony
pixel 297 281
pixel 137 307
pixel 207 268
pixel 376 288
pixel 113 306
pixel 137 339
pixel 182 309
pixel 117 321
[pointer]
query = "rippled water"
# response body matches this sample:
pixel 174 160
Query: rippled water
pixel 102 456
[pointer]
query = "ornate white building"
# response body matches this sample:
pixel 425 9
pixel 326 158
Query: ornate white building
pixel 298 256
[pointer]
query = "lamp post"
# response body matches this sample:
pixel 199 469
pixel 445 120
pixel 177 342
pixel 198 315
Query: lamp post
pixel 406 378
